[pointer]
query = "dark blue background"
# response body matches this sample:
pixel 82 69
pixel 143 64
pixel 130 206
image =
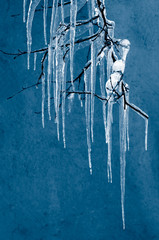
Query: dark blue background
pixel 46 192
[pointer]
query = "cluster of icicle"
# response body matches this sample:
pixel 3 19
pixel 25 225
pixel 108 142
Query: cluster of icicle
pixel 56 77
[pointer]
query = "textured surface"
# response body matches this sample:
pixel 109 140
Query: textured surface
pixel 46 192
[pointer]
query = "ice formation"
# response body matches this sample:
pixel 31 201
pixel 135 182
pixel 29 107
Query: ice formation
pixel 87 114
pixel 45 19
pixel 35 58
pixel 60 52
pixel 73 15
pixel 24 11
pixel 43 99
pixel 32 7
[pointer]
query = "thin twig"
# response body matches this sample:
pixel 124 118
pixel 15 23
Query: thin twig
pixel 89 93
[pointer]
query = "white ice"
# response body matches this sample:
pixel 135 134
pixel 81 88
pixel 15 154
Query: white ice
pixel 63 102
pixel 49 73
pixel 123 130
pixel 45 19
pixel 146 133
pixel 109 138
pixel 31 12
pixel 62 11
pixel 59 67
pixel 35 58
pixel 24 9
pixel 127 121
pixel 73 15
pixel 93 82
pixel 118 65
pixel 87 115
pixel 102 89
pixel 52 29
pixel 43 98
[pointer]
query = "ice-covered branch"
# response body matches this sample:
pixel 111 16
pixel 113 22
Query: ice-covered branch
pixel 105 53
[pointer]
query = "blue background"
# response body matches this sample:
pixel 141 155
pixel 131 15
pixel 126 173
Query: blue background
pixel 46 191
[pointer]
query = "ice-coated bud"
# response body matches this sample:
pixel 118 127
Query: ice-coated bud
pixel 112 82
pixel 118 66
pixel 124 48
pixel 125 43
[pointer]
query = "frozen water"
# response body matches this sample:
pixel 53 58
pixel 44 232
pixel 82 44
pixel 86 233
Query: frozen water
pixel 87 115
pixel 45 21
pixel 31 12
pixel 35 58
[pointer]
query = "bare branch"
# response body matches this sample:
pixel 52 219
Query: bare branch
pixel 23 89
pixel 87 93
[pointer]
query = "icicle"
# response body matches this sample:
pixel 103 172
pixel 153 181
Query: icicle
pixel 52 21
pixel 87 115
pixel 24 10
pixel 43 98
pixel 93 81
pixel 59 77
pixel 31 11
pixel 44 18
pixel 109 138
pixel 54 78
pixel 73 15
pixel 35 57
pixel 79 98
pixel 62 11
pixel 110 50
pixel 51 58
pixel 50 62
pixel 109 62
pixel 139 111
pixel 70 104
pixel 63 102
pixel 146 133
pixel 57 88
pixel 123 127
pixel 91 9
pixel 127 120
pixel 102 89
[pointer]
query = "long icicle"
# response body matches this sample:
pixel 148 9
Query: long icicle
pixel 93 80
pixel 57 87
pixel 31 12
pixel 44 19
pixel 51 56
pixel 127 121
pixel 93 66
pixel 146 133
pixel 102 89
pixel 73 15
pixel 109 111
pixel 62 11
pixel 24 10
pixel 63 102
pixel 43 99
pixel 50 62
pixel 87 115
pixel 59 76
pixel 52 21
pixel 109 138
pixel 123 127
pixel 63 84
pixel 62 79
